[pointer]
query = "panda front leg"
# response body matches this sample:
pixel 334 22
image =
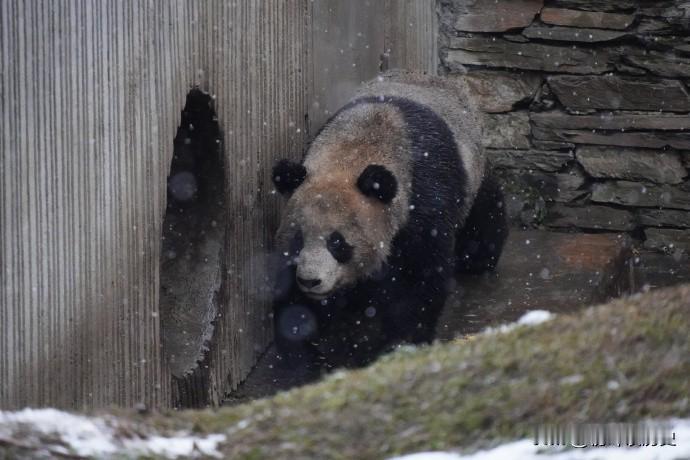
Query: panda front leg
pixel 480 241
pixel 295 328
pixel 411 316
pixel 295 324
pixel 340 332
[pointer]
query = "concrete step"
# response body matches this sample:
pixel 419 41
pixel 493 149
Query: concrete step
pixel 538 270
pixel 652 270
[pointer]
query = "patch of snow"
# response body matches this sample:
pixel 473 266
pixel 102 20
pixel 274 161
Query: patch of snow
pixel 177 446
pixel 613 385
pixel 526 450
pixel 429 456
pixel 531 318
pixel 535 317
pixel 572 379
pixel 62 433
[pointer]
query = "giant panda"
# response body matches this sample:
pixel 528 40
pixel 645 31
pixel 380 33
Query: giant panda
pixel 391 199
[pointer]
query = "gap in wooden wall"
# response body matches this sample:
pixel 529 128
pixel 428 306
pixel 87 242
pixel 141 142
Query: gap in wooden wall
pixel 191 250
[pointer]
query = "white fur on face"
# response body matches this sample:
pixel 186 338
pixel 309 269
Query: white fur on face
pixel 315 262
pixel 319 208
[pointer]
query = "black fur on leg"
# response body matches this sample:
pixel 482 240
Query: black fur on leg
pixel 480 242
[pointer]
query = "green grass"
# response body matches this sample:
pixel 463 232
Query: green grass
pixel 623 361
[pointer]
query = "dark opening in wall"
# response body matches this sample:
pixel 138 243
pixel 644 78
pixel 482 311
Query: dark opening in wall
pixel 192 250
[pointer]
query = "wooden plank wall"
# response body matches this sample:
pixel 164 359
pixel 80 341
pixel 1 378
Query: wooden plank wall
pixel 411 35
pixel 355 39
pixel 83 172
pixel 90 99
pixel 257 69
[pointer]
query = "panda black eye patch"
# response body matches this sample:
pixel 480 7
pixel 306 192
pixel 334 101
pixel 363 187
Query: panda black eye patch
pixel 338 247
pixel 378 182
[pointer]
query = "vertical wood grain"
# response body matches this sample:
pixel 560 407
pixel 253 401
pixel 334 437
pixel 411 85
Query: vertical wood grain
pixel 411 35
pixel 90 105
pixel 353 40
pixel 255 71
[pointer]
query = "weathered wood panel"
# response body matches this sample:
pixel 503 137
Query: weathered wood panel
pixel 347 47
pixel 79 154
pixel 90 99
pixel 412 35
pixel 257 69
pixel 353 40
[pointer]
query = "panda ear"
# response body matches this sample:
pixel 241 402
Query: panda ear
pixel 378 182
pixel 288 175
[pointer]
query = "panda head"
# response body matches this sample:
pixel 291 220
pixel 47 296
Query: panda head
pixel 338 226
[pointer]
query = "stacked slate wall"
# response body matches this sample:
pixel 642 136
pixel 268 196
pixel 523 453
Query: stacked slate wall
pixel 588 109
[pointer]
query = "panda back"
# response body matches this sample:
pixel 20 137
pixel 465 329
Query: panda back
pixel 451 100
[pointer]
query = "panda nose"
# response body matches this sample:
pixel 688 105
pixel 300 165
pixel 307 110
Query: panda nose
pixel 308 283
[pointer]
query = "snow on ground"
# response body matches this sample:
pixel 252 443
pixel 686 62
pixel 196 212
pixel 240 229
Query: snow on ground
pixel 530 318
pixel 534 317
pixel 526 450
pixel 60 433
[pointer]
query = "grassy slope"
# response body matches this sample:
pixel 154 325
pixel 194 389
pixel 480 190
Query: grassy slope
pixel 495 386
pixel 472 392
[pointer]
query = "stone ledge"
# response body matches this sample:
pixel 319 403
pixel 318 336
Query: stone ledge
pixel 592 217
pixel 645 139
pixel 631 164
pixel 529 56
pixel 597 5
pixel 618 93
pixel 617 120
pixel 664 63
pixel 552 145
pixel 538 270
pixel 496 15
pixel 636 194
pixel 663 218
pixel 545 160
pixel 569 34
pixel 579 18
